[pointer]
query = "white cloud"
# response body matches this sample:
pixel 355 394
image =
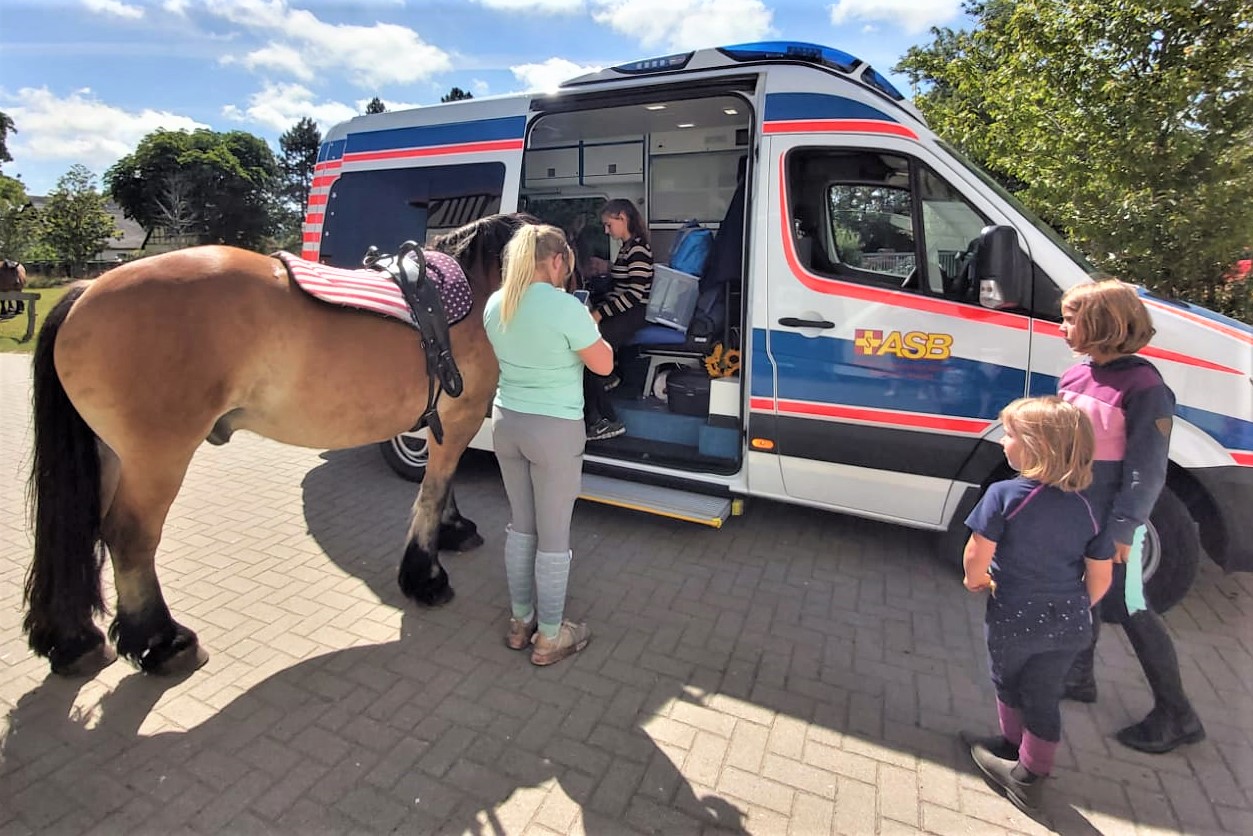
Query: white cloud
pixel 686 24
pixel 536 6
pixel 479 87
pixel 302 46
pixel 279 106
pixel 911 16
pixel 176 7
pixel 114 7
pixel 79 128
pixel 548 74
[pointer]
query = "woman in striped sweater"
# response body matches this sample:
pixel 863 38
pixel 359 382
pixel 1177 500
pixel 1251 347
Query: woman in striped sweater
pixel 620 312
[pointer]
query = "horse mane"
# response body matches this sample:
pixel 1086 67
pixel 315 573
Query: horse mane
pixel 478 246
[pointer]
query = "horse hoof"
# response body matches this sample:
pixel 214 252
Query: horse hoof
pixel 184 662
pixel 89 664
pixel 459 537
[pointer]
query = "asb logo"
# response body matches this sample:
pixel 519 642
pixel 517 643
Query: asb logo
pixel 908 345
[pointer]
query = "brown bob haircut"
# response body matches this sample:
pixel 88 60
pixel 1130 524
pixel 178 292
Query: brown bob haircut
pixel 1109 318
pixel 1058 444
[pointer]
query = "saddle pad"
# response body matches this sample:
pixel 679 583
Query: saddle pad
pixel 374 290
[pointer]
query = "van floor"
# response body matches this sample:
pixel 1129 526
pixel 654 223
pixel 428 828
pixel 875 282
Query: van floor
pixel 658 436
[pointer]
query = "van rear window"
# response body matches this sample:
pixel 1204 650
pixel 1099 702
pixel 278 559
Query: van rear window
pixel 385 208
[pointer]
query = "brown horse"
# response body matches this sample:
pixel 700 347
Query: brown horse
pixel 12 277
pixel 134 370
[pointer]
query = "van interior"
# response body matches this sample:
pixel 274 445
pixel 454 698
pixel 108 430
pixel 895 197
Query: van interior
pixel 679 160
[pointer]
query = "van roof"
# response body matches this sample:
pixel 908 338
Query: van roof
pixel 758 52
pixel 514 105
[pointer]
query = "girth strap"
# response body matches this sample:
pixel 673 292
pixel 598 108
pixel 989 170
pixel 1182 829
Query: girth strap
pixel 408 270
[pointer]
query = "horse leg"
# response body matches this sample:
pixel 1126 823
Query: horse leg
pixel 143 629
pixel 422 578
pixel 456 533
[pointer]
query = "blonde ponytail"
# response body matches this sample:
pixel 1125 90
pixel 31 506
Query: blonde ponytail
pixel 531 244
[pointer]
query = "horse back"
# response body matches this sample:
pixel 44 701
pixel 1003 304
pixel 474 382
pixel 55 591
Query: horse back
pixel 189 336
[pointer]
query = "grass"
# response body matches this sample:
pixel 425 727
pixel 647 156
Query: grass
pixel 12 329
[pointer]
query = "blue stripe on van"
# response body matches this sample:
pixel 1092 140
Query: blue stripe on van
pixel 482 130
pixel 788 106
pixel 828 370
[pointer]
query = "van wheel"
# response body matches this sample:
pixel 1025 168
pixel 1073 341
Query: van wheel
pixel 408 454
pixel 1172 552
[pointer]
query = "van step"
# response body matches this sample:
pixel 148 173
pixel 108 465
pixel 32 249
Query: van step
pixel 664 502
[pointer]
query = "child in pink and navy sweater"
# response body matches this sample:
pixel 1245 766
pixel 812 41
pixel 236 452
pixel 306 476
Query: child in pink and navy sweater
pixel 1132 411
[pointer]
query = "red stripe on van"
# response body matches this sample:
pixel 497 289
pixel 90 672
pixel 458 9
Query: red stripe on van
pixel 896 298
pixel 1043 328
pixel 1242 457
pixel 435 151
pixel 881 417
pixel 1203 321
pixel 311 237
pixel 317 199
pixel 815 126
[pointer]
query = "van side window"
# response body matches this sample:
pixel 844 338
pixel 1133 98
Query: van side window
pixel 386 207
pixel 882 219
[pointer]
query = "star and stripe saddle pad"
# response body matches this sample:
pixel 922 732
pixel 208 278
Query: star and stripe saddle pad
pixel 374 290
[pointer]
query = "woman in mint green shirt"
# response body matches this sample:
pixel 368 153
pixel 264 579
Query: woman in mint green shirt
pixel 543 338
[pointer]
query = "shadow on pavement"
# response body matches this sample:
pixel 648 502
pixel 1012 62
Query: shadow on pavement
pixel 724 663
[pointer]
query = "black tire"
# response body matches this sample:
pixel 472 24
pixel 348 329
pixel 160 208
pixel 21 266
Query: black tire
pixel 407 454
pixel 1172 552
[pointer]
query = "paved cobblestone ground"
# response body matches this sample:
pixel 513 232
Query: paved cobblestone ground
pixel 794 673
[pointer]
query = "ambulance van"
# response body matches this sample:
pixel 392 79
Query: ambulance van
pixel 872 300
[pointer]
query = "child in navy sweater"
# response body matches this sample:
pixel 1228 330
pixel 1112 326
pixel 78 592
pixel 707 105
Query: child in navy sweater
pixel 1036 546
pixel 1132 412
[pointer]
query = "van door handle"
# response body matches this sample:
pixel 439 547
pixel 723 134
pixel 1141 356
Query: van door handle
pixel 793 322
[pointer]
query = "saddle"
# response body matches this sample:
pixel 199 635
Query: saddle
pixel 426 290
pixel 427 309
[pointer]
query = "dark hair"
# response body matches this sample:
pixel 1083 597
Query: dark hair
pixel 635 221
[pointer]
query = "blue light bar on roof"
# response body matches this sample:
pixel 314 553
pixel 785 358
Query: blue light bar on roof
pixel 795 50
pixel 872 77
pixel 656 65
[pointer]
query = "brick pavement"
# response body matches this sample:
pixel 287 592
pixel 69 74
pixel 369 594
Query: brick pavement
pixel 794 673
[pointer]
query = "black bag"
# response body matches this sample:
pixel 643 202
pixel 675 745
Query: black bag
pixel 687 392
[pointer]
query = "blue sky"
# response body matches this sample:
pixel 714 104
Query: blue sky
pixel 85 80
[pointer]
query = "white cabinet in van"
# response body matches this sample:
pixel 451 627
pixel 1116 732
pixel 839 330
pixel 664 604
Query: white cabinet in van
pixel 553 166
pixel 617 162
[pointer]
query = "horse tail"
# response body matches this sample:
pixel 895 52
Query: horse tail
pixel 63 584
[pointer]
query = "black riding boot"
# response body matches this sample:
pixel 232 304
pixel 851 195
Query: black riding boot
pixel 1172 722
pixel 1081 680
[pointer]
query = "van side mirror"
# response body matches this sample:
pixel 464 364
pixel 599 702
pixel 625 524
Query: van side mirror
pixel 1002 270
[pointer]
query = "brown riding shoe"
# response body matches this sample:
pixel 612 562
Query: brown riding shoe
pixel 520 633
pixel 570 639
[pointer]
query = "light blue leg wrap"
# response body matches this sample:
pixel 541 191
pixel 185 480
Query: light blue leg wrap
pixel 1133 589
pixel 552 574
pixel 520 572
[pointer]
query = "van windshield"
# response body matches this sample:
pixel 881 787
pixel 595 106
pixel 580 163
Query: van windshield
pixel 1050 233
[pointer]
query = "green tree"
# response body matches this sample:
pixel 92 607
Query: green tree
pixel 6 127
pixel 19 221
pixel 1128 126
pixel 456 94
pixel 299 155
pixel 76 223
pixel 227 179
pixel 375 106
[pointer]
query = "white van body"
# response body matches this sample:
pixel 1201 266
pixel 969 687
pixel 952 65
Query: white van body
pixel 874 357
